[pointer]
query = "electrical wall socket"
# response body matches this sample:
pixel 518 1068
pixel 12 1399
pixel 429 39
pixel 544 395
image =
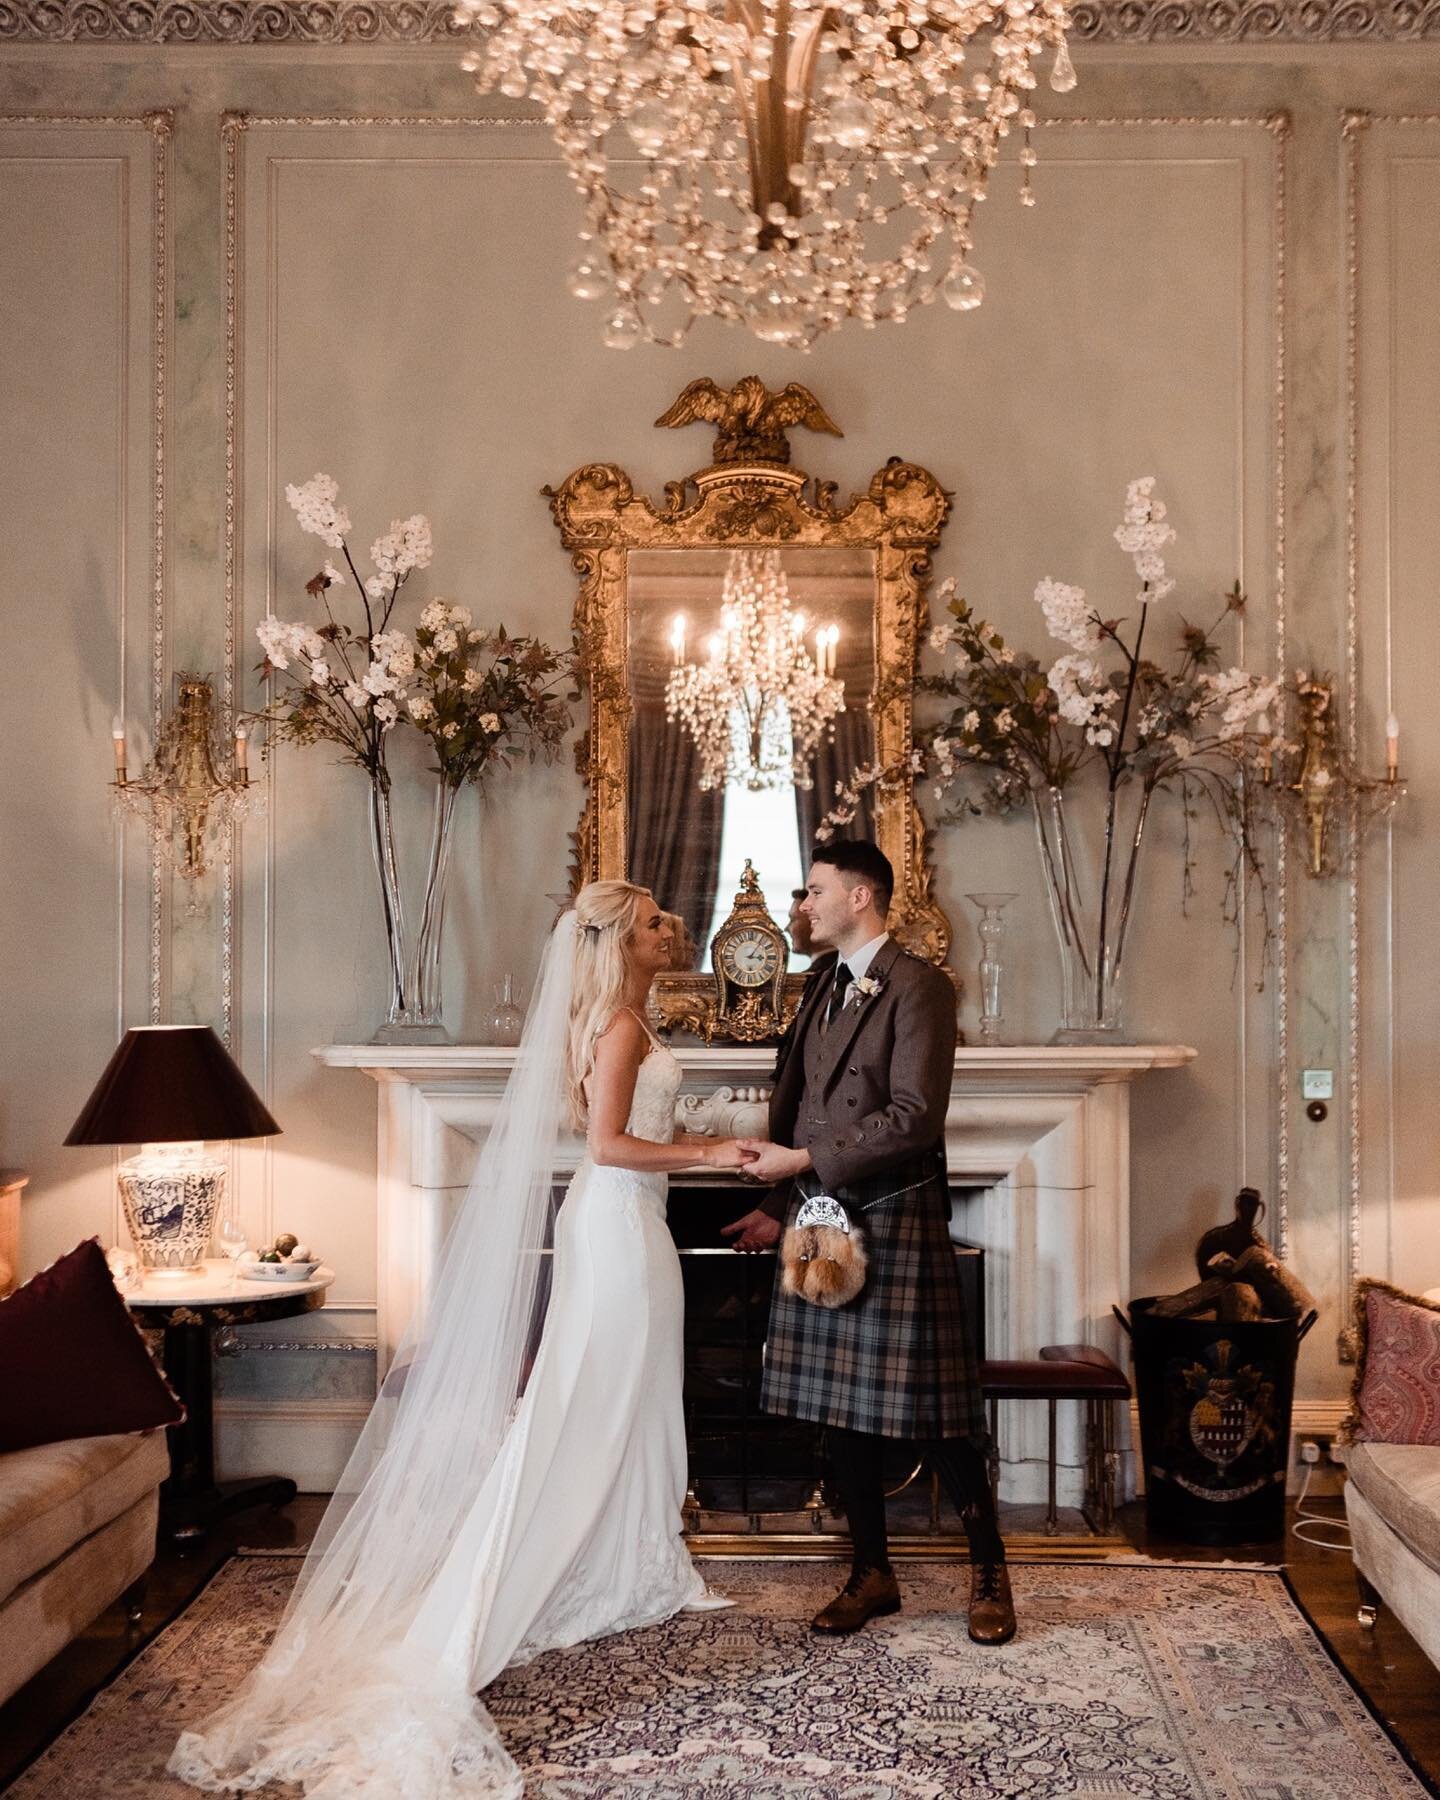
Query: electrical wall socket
pixel 1315 1447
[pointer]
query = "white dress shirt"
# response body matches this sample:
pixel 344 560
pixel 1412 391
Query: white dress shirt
pixel 860 960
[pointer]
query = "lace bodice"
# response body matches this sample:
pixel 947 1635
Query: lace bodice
pixel 652 1110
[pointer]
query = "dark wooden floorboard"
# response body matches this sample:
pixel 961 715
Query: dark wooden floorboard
pixel 1399 1681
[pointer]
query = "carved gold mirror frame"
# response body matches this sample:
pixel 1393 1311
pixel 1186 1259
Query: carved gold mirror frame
pixel 748 497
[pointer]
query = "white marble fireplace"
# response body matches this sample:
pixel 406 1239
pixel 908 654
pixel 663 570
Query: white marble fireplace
pixel 1041 1134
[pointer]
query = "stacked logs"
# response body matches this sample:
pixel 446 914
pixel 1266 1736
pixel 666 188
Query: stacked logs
pixel 1241 1277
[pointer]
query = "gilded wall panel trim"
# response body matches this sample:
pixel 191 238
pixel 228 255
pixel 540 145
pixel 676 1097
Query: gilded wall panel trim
pixel 1355 127
pixel 1280 127
pixel 159 127
pixel 390 22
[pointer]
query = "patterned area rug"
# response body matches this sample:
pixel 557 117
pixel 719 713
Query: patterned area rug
pixel 1144 1680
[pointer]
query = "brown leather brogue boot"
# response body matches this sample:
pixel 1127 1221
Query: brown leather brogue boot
pixel 992 1611
pixel 868 1594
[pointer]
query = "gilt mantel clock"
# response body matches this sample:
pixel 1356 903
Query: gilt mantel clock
pixel 749 954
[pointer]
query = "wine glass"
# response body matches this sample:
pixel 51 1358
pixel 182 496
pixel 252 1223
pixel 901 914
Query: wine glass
pixel 234 1242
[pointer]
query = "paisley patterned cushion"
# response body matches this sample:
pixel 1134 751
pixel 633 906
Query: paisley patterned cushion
pixel 1398 1401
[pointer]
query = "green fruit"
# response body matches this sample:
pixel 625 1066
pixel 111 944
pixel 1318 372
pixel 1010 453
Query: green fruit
pixel 286 1242
pixel 270 1256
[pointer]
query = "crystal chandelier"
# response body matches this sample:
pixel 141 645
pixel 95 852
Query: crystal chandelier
pixel 782 164
pixel 759 705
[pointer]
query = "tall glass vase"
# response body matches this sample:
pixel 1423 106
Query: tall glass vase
pixel 1090 868
pixel 414 1014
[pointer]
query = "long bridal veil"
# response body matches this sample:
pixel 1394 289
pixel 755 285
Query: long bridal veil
pixel 346 1701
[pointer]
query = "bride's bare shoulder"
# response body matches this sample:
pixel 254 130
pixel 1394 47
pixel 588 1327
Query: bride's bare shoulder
pixel 623 1034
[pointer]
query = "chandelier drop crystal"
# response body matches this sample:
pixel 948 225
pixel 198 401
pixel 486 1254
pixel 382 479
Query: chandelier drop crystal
pixel 759 705
pixel 781 164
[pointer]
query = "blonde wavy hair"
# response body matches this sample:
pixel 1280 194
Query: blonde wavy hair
pixel 605 918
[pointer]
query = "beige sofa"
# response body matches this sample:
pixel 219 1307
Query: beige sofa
pixel 1392 1500
pixel 77 1530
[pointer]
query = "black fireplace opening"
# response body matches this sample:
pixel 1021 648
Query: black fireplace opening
pixel 751 1471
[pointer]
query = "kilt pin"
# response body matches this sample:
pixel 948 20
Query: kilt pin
pixel 867 1094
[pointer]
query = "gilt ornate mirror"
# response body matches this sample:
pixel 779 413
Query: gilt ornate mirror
pixel 747 642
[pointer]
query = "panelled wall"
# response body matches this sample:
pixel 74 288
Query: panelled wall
pixel 338 260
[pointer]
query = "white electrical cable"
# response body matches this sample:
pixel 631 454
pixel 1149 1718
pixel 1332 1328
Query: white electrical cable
pixel 1324 1520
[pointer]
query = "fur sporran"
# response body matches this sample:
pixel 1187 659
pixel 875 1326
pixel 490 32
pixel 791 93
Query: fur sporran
pixel 823 1254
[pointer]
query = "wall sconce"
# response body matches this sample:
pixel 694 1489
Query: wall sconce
pixel 1331 804
pixel 182 795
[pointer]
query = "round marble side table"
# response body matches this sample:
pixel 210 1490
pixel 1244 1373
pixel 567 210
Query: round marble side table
pixel 189 1309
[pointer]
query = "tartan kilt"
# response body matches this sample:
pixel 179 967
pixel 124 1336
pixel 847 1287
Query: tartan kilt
pixel 898 1360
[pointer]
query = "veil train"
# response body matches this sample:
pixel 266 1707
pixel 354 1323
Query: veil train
pixel 352 1699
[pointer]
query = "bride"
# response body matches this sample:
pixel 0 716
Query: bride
pixel 496 1506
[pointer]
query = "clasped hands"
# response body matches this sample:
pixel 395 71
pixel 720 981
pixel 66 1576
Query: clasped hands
pixel 768 1164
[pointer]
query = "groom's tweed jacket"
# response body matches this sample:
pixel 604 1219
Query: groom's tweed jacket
pixel 867 1095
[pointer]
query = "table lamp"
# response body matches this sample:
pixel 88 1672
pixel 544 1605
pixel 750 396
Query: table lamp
pixel 169 1088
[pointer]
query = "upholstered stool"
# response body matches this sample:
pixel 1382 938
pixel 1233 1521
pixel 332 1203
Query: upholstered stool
pixel 1068 1372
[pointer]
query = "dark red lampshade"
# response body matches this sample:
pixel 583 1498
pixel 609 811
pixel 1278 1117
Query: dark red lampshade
pixel 167 1084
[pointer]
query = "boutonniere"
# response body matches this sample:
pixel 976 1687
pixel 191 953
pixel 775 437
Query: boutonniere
pixel 866 986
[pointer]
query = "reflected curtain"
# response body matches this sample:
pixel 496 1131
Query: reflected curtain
pixel 674 827
pixel 835 760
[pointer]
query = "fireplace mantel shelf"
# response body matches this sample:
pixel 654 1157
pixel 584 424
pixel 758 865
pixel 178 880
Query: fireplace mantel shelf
pixel 1082 1063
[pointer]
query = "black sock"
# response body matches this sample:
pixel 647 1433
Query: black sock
pixel 963 1473
pixel 855 1458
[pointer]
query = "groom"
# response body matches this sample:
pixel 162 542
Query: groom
pixel 862 1085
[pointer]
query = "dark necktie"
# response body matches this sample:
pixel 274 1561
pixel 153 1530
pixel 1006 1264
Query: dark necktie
pixel 843 977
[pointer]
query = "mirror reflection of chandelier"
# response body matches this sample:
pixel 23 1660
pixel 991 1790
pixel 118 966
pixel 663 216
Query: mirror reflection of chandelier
pixel 784 164
pixel 759 704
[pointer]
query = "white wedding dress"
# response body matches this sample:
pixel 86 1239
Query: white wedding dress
pixel 574 1534
pixel 577 1533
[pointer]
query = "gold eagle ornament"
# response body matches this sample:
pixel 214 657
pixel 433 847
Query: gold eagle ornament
pixel 750 421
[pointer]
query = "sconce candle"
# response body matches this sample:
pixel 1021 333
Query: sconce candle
pixel 677 640
pixel 242 753
pixel 1392 748
pixel 117 739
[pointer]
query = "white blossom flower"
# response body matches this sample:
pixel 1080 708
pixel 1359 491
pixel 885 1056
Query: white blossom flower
pixel 396 651
pixel 387 712
pixel 449 728
pixel 333 575
pixel 1068 618
pixel 1241 697
pixel 1144 535
pixel 446 641
pixel 472 680
pixel 433 616
pixel 1005 721
pixel 378 680
pixel 1180 745
pixel 316 509
pixel 971 721
pixel 475 637
pixel 404 547
pixel 1083 697
pixel 320 672
pixel 375 587
pixel 284 642
pixel 941 637
pixel 462 615
pixel 421 709
pixel 356 695
pixel 489 722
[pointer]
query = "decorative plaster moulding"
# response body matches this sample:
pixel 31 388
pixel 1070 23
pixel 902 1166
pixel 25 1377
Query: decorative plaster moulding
pixel 430 21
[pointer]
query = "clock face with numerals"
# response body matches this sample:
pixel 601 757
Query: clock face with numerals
pixel 751 957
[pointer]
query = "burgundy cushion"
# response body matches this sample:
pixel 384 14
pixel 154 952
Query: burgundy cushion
pixel 1399 1396
pixel 75 1364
